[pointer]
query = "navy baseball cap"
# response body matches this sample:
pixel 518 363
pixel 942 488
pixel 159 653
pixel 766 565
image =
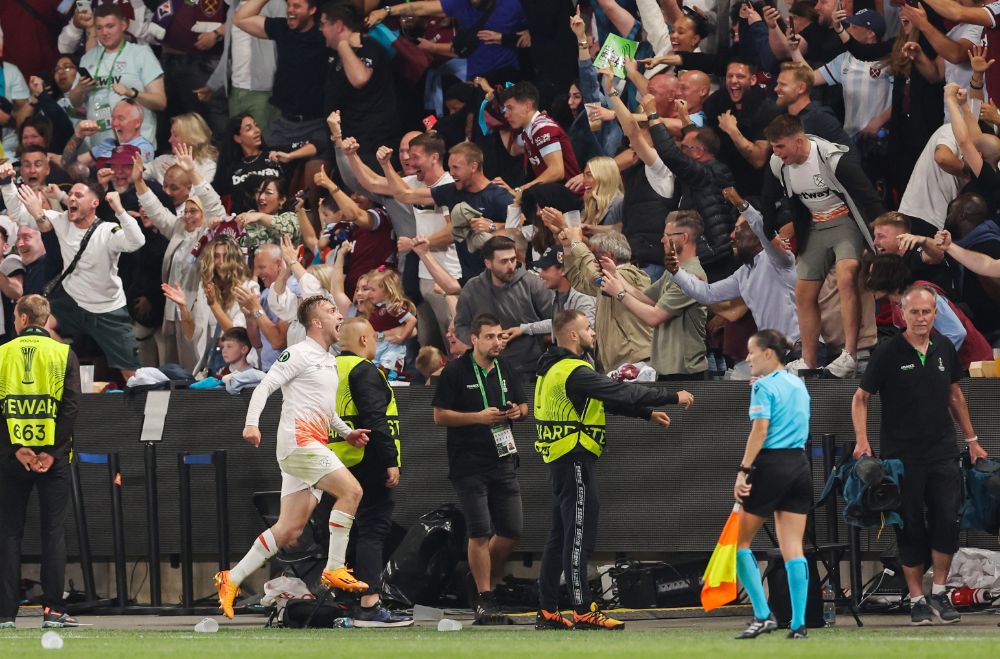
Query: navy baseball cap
pixel 868 18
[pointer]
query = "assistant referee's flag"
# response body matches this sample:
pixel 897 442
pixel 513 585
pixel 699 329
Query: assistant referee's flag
pixel 719 587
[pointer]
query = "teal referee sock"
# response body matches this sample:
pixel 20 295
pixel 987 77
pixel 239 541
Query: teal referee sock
pixel 798 589
pixel 749 574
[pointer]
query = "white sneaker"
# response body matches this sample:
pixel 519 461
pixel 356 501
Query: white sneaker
pixel 796 366
pixel 843 366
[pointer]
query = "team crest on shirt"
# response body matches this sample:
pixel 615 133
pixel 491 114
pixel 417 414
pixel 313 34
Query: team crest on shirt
pixel 284 357
pixel 875 72
pixel 818 180
pixel 120 67
pixel 940 365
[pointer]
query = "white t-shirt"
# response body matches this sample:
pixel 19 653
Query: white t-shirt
pixel 430 221
pixel 961 74
pixel 308 379
pixel 806 181
pixel 660 178
pixel 867 89
pixel 931 189
pixel 133 65
pixel 240 57
pixel 94 284
pixel 15 89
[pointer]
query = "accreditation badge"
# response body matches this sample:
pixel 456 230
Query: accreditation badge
pixel 503 437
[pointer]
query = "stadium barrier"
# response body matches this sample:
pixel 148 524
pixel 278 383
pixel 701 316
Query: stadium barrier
pixel 662 492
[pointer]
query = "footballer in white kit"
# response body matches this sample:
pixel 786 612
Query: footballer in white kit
pixel 306 373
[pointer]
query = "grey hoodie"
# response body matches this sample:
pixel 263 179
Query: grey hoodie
pixel 524 300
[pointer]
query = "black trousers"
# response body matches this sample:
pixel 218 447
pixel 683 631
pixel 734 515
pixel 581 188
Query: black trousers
pixel 931 511
pixel 54 494
pixel 372 524
pixel 576 508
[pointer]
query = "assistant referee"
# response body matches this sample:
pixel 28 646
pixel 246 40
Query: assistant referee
pixel 774 478
pixel 39 399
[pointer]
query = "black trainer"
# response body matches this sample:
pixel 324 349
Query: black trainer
pixel 796 634
pixel 52 618
pixel 379 616
pixel 757 627
pixel 921 614
pixel 488 611
pixel 942 609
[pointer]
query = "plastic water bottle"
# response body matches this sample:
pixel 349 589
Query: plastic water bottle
pixel 207 626
pixel 345 623
pixel 449 625
pixel 829 606
pixel 51 641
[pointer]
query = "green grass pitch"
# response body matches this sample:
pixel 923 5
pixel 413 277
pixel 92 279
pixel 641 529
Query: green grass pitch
pixel 842 642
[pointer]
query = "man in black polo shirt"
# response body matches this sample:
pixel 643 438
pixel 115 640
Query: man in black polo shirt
pixel 301 62
pixel 916 374
pixel 477 399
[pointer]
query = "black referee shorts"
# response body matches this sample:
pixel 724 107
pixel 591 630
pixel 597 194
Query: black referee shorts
pixel 780 481
pixel 932 501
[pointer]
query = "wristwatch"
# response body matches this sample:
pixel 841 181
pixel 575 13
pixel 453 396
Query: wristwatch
pixel 388 10
pixel 620 296
pixel 492 228
pixel 258 314
pixel 380 336
pixel 746 470
pixel 135 93
pixel 742 207
pixel 652 116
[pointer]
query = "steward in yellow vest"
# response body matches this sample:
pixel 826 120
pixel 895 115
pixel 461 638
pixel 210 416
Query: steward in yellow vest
pixel 365 400
pixel 39 398
pixel 570 399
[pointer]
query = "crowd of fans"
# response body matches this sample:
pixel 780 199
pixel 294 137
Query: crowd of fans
pixel 178 175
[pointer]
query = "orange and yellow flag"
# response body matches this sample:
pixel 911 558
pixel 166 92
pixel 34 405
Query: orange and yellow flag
pixel 719 587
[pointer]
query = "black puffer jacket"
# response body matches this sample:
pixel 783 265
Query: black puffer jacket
pixel 702 184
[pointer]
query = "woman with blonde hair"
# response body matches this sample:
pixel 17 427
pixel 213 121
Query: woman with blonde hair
pixel 225 279
pixel 192 130
pixel 603 194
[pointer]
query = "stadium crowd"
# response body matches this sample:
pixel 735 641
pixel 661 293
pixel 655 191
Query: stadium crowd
pixel 711 171
pixel 179 176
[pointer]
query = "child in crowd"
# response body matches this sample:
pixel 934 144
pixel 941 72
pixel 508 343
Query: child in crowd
pixel 238 373
pixel 393 317
pixel 236 347
pixel 430 362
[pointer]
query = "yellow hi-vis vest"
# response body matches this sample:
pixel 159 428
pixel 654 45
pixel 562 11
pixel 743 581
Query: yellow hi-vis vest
pixel 348 411
pixel 32 377
pixel 559 426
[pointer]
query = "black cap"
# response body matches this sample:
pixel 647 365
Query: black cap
pixel 550 257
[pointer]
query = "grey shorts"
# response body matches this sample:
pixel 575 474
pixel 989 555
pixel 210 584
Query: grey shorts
pixel 111 331
pixel 829 242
